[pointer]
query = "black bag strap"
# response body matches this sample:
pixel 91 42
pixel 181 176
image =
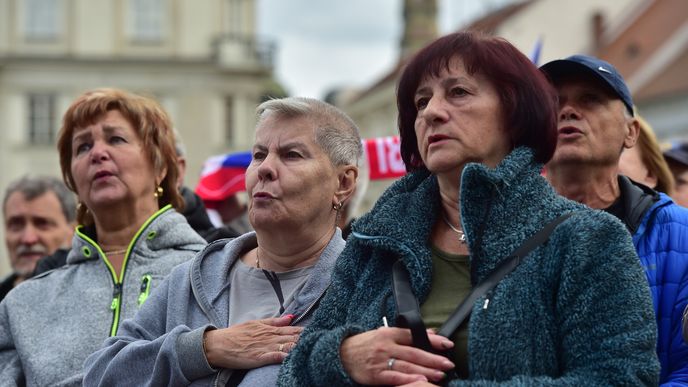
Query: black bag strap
pixel 505 267
pixel 408 311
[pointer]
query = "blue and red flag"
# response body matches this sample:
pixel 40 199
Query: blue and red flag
pixel 223 176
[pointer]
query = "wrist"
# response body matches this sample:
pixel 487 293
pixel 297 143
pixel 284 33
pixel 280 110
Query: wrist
pixel 207 344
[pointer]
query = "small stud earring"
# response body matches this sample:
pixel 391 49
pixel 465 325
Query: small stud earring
pixel 158 192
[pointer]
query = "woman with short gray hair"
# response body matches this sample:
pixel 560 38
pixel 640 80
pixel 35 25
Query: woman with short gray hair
pixel 234 313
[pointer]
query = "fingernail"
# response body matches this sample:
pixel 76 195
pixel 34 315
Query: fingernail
pixel 447 344
pixel 441 375
pixel 447 363
pixel 289 316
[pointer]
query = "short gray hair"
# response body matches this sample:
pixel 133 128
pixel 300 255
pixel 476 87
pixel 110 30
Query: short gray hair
pixel 335 132
pixel 34 186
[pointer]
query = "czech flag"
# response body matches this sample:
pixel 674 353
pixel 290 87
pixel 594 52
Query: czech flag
pixel 223 176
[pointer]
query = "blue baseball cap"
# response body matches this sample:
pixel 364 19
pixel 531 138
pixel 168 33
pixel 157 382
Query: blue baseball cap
pixel 600 69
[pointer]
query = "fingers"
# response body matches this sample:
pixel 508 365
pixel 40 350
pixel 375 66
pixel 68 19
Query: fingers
pixel 286 347
pixel 422 358
pixel 412 369
pixel 398 335
pixel 272 357
pixel 404 337
pixel 281 321
pixel 440 343
pixel 253 343
pixel 395 378
pixel 419 383
pixel 366 357
pixel 277 356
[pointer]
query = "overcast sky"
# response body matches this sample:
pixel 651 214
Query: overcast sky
pixel 324 44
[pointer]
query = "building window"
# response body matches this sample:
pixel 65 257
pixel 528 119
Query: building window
pixel 41 119
pixel 42 19
pixel 234 17
pixel 147 20
pixel 229 120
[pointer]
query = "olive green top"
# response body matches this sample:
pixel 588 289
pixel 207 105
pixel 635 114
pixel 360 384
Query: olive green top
pixel 451 283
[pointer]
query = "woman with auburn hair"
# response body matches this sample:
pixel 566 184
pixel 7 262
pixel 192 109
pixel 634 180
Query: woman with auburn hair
pixel 645 163
pixel 117 154
pixel 477 121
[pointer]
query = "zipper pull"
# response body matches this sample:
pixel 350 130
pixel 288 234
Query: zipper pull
pixel 145 289
pixel 487 300
pixel 117 291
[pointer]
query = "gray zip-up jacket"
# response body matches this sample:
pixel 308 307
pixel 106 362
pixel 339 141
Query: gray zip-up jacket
pixel 163 343
pixel 51 323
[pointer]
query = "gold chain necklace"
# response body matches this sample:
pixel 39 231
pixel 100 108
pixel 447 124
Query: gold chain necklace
pixel 115 252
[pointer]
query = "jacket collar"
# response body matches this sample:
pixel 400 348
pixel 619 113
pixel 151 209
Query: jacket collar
pixel 500 208
pixel 210 269
pixel 636 200
pixel 164 229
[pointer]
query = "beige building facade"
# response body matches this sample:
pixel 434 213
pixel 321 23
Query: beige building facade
pixel 201 59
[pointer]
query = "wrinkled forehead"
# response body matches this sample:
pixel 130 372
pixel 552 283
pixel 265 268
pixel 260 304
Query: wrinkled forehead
pixel 276 128
pixel 45 205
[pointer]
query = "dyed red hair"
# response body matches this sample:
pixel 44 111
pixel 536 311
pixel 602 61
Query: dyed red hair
pixel 528 101
pixel 149 120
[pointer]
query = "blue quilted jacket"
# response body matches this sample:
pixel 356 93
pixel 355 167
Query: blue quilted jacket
pixel 662 244
pixel 576 312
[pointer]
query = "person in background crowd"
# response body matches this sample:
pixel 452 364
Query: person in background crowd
pixel 117 154
pixel 596 121
pixel 229 212
pixel 477 120
pixel 234 313
pixel 39 214
pixel 677 158
pixel 194 209
pixel 644 162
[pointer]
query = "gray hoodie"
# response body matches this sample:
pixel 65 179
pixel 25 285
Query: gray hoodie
pixel 51 323
pixel 162 344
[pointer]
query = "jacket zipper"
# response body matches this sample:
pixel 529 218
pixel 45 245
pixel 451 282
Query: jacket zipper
pixel 118 284
pixel 116 304
pixel 310 307
pixel 145 289
pixel 486 303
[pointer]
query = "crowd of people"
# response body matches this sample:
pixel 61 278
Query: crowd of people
pixel 540 237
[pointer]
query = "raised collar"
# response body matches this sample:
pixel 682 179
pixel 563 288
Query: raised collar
pixel 636 199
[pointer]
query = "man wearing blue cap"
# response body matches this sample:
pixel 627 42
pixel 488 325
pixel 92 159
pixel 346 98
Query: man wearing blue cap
pixel 677 159
pixel 596 122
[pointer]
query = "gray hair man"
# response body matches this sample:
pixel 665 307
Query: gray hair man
pixel 39 214
pixel 596 122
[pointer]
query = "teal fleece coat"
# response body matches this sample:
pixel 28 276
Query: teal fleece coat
pixel 576 312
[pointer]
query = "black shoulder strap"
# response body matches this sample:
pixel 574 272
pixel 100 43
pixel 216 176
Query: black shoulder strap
pixel 504 268
pixel 408 311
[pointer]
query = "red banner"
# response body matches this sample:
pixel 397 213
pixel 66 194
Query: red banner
pixel 384 158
